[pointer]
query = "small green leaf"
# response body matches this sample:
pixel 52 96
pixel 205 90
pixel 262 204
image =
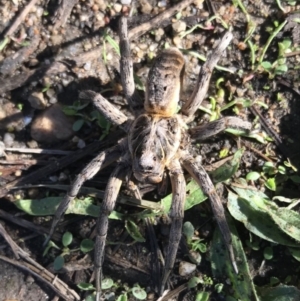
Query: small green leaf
pixel 268 253
pixel 202 296
pixel 271 184
pixel 252 176
pixel 122 297
pixel 85 286
pixel 58 263
pixel 295 179
pixel 266 65
pixel 69 111
pixel 228 169
pixel 77 125
pixel 295 253
pixel 219 287
pixel 86 245
pixel 139 293
pixel 134 231
pixel 107 283
pixel 274 281
pixel 193 282
pixel 281 69
pixel 67 238
pixel 51 244
pixel 188 230
pixel 269 168
pixel 90 297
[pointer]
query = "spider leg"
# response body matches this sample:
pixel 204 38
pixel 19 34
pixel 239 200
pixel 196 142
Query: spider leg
pixel 99 162
pixel 107 206
pixel 109 111
pixel 196 170
pixel 176 214
pixel 126 68
pixel 210 129
pixel 192 104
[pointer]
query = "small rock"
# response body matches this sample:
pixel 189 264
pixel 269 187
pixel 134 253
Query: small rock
pixel 162 3
pixel 125 2
pixel 146 7
pixel 179 26
pixel 37 101
pixel 2 148
pixel 2 113
pixel 195 257
pixel 117 7
pixel 186 268
pixel 57 39
pixel 177 40
pixel 51 126
pixel 158 34
pixel 62 177
pixel 81 143
pixel 8 139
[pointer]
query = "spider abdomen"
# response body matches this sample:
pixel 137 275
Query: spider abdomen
pixel 153 142
pixel 164 83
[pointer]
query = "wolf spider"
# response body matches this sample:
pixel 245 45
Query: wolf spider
pixel 158 140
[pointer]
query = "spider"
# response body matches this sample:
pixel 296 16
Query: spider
pixel 158 141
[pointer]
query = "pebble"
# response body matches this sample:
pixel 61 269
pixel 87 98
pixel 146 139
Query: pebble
pixel 81 143
pixel 179 26
pixel 2 113
pixel 8 139
pixel 125 2
pixel 51 126
pixel 158 34
pixel 37 100
pixel 2 148
pixel 195 257
pixel 177 41
pixel 117 7
pixel 162 3
pixel 146 7
pixel 87 66
pixel 186 268
pixel 57 39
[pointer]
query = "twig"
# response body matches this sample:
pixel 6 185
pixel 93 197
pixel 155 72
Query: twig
pixel 257 151
pixel 270 131
pixel 38 151
pixel 26 224
pixel 20 18
pixel 285 83
pixel 155 22
pixel 24 162
pixel 9 240
pixel 39 272
pixel 59 164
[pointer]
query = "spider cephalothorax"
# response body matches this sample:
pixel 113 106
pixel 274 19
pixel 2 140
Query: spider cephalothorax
pixel 157 141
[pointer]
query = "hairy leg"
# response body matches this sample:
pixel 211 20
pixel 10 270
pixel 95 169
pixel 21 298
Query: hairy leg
pixel 176 214
pixel 126 68
pixel 196 170
pixel 210 129
pixel 99 162
pixel 107 206
pixel 108 110
pixel 192 104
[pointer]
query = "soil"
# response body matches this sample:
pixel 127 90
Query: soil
pixel 58 51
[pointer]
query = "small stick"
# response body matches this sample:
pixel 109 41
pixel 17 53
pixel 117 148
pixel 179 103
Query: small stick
pixel 20 18
pixel 154 22
pixel 38 151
